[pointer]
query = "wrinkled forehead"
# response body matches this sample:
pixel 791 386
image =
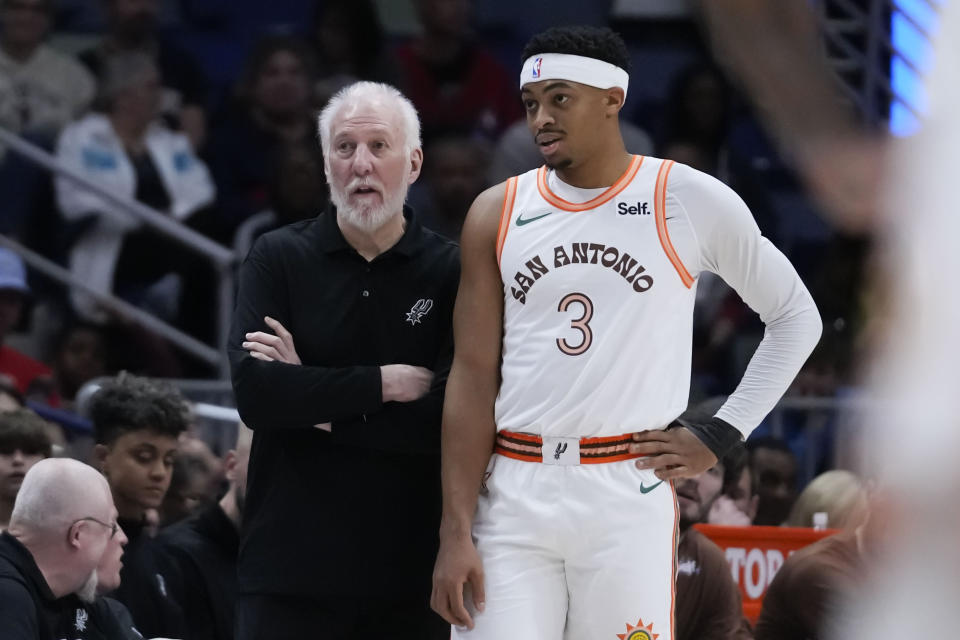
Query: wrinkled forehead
pixel 369 116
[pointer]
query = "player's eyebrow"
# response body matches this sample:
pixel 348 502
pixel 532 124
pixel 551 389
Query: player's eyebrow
pixel 549 87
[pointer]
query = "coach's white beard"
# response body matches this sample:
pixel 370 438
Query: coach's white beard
pixel 88 592
pixel 369 218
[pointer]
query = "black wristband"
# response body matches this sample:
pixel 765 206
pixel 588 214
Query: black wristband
pixel 719 436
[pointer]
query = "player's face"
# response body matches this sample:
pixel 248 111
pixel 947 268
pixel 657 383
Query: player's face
pixel 139 465
pixel 564 118
pixel 696 495
pixel 14 464
pixel 369 168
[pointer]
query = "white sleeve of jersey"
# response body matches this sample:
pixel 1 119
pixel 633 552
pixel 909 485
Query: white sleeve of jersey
pixel 726 241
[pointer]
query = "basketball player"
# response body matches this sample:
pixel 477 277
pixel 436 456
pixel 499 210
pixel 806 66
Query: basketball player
pixel 573 333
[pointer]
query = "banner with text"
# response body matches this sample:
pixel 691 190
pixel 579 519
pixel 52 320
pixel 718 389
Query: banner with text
pixel 756 554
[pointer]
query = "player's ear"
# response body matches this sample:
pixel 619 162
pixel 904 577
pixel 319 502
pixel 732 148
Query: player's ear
pixel 614 97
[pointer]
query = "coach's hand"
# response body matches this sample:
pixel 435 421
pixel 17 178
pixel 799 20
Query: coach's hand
pixel 458 565
pixel 404 382
pixel 272 348
pixel 672 453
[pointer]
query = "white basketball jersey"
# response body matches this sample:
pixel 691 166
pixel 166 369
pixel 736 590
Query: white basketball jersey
pixel 598 308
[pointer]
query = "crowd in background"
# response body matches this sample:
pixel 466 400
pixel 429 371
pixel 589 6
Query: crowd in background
pixel 205 112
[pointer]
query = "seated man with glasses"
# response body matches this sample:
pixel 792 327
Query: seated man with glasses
pixel 63 523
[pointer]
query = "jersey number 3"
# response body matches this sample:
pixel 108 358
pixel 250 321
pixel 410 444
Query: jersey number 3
pixel 581 324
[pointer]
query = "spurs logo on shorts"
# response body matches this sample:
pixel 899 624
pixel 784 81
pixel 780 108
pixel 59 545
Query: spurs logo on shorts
pixel 594 304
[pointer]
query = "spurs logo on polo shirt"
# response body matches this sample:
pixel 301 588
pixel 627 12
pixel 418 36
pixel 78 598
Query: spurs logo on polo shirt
pixel 419 310
pixel 81 620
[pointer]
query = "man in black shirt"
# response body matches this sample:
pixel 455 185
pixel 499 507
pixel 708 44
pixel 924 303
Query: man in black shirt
pixel 204 548
pixel 62 523
pixel 343 494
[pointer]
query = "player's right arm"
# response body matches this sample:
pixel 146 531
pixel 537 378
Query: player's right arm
pixel 468 421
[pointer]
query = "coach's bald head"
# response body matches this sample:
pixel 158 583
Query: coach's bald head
pixel 64 515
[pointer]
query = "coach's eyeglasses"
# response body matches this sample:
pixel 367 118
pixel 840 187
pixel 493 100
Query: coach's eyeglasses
pixel 113 527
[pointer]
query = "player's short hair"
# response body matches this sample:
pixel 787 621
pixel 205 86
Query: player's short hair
pixel 600 43
pixel 24 430
pixel 128 403
pixel 372 91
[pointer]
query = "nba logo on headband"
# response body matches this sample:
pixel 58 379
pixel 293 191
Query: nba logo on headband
pixel 536 67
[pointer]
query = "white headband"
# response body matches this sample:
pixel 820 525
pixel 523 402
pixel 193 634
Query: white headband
pixel 562 66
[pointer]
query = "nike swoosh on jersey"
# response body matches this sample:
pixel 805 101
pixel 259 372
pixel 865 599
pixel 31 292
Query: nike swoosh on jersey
pixel 521 221
pixel 644 489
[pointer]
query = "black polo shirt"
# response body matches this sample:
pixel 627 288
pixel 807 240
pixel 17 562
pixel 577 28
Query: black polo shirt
pixel 355 511
pixel 204 547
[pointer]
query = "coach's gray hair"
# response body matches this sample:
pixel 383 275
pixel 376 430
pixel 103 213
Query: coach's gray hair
pixel 370 91
pixel 121 71
pixel 54 493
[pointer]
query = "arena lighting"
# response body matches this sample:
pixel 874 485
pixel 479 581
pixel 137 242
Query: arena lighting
pixel 912 45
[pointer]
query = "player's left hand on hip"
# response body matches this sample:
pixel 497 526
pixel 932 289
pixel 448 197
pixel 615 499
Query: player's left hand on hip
pixel 272 348
pixel 672 453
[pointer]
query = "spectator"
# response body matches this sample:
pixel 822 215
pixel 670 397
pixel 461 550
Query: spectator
pixel 136 424
pixel 205 548
pixel 132 28
pixel 128 152
pixel 349 43
pixel 24 441
pixel 807 598
pixel 361 285
pixel 272 112
pixel 296 191
pixel 516 152
pixel 839 494
pixel 10 397
pixel 774 468
pixel 61 526
pixel 21 369
pixel 195 483
pixel 708 605
pixel 738 504
pixel 41 90
pixel 80 355
pixel 108 616
pixel 454 174
pixel 698 114
pixel 452 80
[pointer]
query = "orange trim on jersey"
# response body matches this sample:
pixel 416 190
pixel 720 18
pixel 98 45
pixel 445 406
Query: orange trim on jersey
pixel 673 574
pixel 505 213
pixel 660 209
pixel 515 455
pixel 604 197
pixel 526 437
